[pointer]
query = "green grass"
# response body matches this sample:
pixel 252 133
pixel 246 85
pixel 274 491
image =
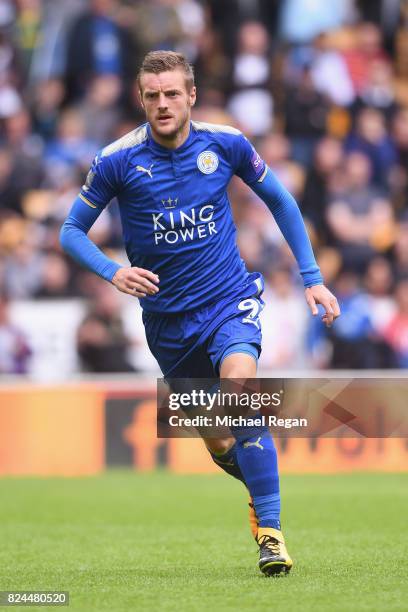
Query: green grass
pixel 125 541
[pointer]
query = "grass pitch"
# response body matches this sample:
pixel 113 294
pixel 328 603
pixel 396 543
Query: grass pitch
pixel 126 541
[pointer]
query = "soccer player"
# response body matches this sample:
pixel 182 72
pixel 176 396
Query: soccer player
pixel 200 305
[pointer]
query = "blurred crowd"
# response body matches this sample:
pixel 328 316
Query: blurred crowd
pixel 321 89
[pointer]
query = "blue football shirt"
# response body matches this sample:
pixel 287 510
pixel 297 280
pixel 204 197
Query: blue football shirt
pixel 175 211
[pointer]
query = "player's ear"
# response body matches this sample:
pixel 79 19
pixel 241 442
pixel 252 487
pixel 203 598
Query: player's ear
pixel 193 95
pixel 138 93
pixel 140 98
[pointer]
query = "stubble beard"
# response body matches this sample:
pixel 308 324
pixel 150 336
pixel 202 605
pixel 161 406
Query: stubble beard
pixel 178 129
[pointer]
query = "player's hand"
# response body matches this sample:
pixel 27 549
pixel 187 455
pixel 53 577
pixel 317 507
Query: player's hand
pixel 136 281
pixel 319 294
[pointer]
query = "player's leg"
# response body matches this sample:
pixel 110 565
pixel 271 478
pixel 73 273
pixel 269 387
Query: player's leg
pixel 257 458
pixel 239 336
pixel 244 366
pixel 176 344
pixel 223 450
pixel 223 453
pixel 232 454
pixel 236 368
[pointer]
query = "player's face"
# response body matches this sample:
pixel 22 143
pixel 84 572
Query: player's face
pixel 167 104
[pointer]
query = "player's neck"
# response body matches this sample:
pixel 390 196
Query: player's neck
pixel 173 141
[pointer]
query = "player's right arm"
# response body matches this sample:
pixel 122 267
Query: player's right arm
pixel 94 196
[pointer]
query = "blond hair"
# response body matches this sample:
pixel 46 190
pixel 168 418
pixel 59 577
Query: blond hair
pixel 162 61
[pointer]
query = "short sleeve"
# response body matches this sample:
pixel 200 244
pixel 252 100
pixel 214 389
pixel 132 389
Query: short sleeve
pixel 249 166
pixel 102 182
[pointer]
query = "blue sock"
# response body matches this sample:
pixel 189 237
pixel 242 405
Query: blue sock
pixel 257 459
pixel 228 462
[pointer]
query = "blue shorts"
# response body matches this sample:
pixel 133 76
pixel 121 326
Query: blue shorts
pixel 193 344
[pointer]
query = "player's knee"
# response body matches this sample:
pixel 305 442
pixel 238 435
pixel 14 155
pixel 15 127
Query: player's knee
pixel 238 366
pixel 219 446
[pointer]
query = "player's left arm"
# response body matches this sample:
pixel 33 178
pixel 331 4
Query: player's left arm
pixel 286 212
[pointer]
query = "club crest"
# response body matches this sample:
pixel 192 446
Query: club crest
pixel 207 162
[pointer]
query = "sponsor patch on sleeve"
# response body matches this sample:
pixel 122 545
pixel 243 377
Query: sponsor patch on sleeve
pixel 257 162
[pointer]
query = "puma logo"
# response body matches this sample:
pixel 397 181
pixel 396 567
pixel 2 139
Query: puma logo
pixel 147 171
pixel 257 444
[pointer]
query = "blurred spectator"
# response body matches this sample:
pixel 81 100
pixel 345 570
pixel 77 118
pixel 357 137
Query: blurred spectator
pixel 48 98
pixel 398 177
pixel 14 350
pixel 360 218
pixel 10 192
pixel 10 101
pixel 276 149
pixel 9 69
pixel 102 344
pixel 154 25
pixel 379 285
pixel 225 16
pixel 12 231
pixel 26 149
pixel 192 20
pixel 400 136
pixel 329 72
pixel 396 332
pixel 328 157
pixel 302 20
pixel 390 17
pixel 370 137
pixel 7 13
pixel 400 251
pixel 212 68
pixel 354 342
pixel 97 45
pixel 330 263
pixel 378 91
pixel 20 137
pixel 65 183
pixel 28 30
pixel 384 13
pixel 99 110
pixel 48 54
pixel 255 237
pixel 23 270
pixel 71 148
pixel 368 50
pixel 284 321
pixel 55 278
pixel 251 104
pixel 306 112
pixel 401 41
